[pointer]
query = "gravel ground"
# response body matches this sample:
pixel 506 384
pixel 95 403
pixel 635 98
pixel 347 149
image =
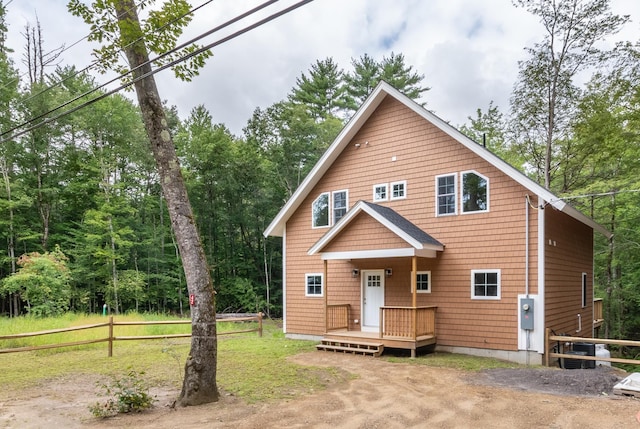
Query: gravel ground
pixel 588 382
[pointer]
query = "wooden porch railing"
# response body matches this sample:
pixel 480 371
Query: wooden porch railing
pixel 407 322
pixel 337 317
pixel 598 318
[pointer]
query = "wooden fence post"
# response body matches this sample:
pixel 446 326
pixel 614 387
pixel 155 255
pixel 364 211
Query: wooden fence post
pixel 110 353
pixel 260 324
pixel 547 346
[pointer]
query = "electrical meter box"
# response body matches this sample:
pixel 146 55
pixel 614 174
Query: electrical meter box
pixel 526 314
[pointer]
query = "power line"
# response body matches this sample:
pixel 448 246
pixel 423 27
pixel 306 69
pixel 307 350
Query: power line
pixel 599 194
pixel 100 60
pixel 59 52
pixel 170 64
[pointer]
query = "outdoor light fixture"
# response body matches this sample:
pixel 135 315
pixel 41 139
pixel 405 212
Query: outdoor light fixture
pixel 388 272
pixel 355 272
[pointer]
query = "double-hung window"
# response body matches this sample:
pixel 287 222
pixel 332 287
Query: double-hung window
pixel 446 194
pixel 485 284
pixel 340 201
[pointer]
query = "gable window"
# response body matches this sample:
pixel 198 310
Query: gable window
pixel 485 284
pixel 398 190
pixel 423 281
pixel 339 205
pixel 320 211
pixel 380 192
pixel 475 192
pixel 584 290
pixel 314 285
pixel 446 194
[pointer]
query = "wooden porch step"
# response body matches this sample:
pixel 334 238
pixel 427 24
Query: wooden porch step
pixel 355 347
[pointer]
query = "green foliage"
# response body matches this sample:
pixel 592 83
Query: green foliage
pixel 160 31
pixel 368 72
pixel 546 93
pixel 43 281
pixel 129 393
pixel 238 295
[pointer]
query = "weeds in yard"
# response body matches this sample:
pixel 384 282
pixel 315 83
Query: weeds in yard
pixel 124 395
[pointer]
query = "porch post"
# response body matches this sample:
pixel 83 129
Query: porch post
pixel 414 273
pixel 326 319
pixel 414 298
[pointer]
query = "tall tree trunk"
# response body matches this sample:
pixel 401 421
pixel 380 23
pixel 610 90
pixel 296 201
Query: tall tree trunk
pixel 11 245
pixel 199 385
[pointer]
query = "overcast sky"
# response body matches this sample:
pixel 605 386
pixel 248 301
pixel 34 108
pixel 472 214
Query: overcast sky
pixel 468 50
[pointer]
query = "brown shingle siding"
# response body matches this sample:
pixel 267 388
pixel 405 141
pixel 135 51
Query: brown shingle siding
pixel 492 240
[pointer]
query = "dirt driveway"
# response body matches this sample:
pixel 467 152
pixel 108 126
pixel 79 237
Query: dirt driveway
pixel 383 395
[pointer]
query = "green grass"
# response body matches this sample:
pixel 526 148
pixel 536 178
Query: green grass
pixel 455 361
pixel 250 367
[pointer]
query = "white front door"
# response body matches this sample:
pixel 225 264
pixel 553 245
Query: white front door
pixel 372 299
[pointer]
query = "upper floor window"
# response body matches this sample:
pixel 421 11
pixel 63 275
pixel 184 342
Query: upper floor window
pixel 314 284
pixel 320 211
pixel 398 190
pixel 475 192
pixel 485 284
pixel 340 202
pixel 423 281
pixel 380 192
pixel 446 194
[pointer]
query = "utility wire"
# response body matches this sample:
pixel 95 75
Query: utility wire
pixel 61 50
pixel 600 194
pixel 100 60
pixel 170 64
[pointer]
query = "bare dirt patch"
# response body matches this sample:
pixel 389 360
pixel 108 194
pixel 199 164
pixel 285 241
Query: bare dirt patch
pixel 383 395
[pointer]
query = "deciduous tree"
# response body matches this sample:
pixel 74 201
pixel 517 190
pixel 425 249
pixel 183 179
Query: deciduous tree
pixel 126 33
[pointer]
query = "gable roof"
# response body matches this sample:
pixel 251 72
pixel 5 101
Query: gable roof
pixel 422 243
pixel 277 225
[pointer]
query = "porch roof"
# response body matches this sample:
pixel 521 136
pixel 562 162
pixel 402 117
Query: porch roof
pixel 419 242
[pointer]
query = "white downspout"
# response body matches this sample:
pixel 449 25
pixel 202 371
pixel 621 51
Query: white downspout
pixel 526 248
pixel 541 280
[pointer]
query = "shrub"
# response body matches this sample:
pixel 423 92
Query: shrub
pixel 126 394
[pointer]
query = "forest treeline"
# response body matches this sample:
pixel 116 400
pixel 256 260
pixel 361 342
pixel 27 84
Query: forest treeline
pixel 83 221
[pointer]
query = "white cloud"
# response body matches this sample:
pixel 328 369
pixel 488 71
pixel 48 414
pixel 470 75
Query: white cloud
pixel 468 50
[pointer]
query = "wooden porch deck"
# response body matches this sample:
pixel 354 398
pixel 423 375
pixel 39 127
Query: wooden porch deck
pixel 392 342
pixel 406 328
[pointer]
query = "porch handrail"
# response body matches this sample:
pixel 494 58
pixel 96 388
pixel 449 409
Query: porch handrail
pixel 337 317
pixel 407 322
pixel 597 309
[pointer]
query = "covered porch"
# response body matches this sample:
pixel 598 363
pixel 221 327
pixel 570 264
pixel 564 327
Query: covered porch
pixel 367 321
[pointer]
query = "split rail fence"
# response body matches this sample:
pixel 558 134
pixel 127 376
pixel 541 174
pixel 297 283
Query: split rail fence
pixel 111 337
pixel 552 340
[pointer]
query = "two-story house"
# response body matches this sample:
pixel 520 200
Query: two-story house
pixel 407 233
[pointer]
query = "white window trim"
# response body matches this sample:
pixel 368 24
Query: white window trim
pixel 429 284
pixel 404 186
pixel 584 287
pixel 455 194
pixel 313 225
pixel 484 298
pixel 462 173
pixel 332 205
pixel 306 285
pixel 386 192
